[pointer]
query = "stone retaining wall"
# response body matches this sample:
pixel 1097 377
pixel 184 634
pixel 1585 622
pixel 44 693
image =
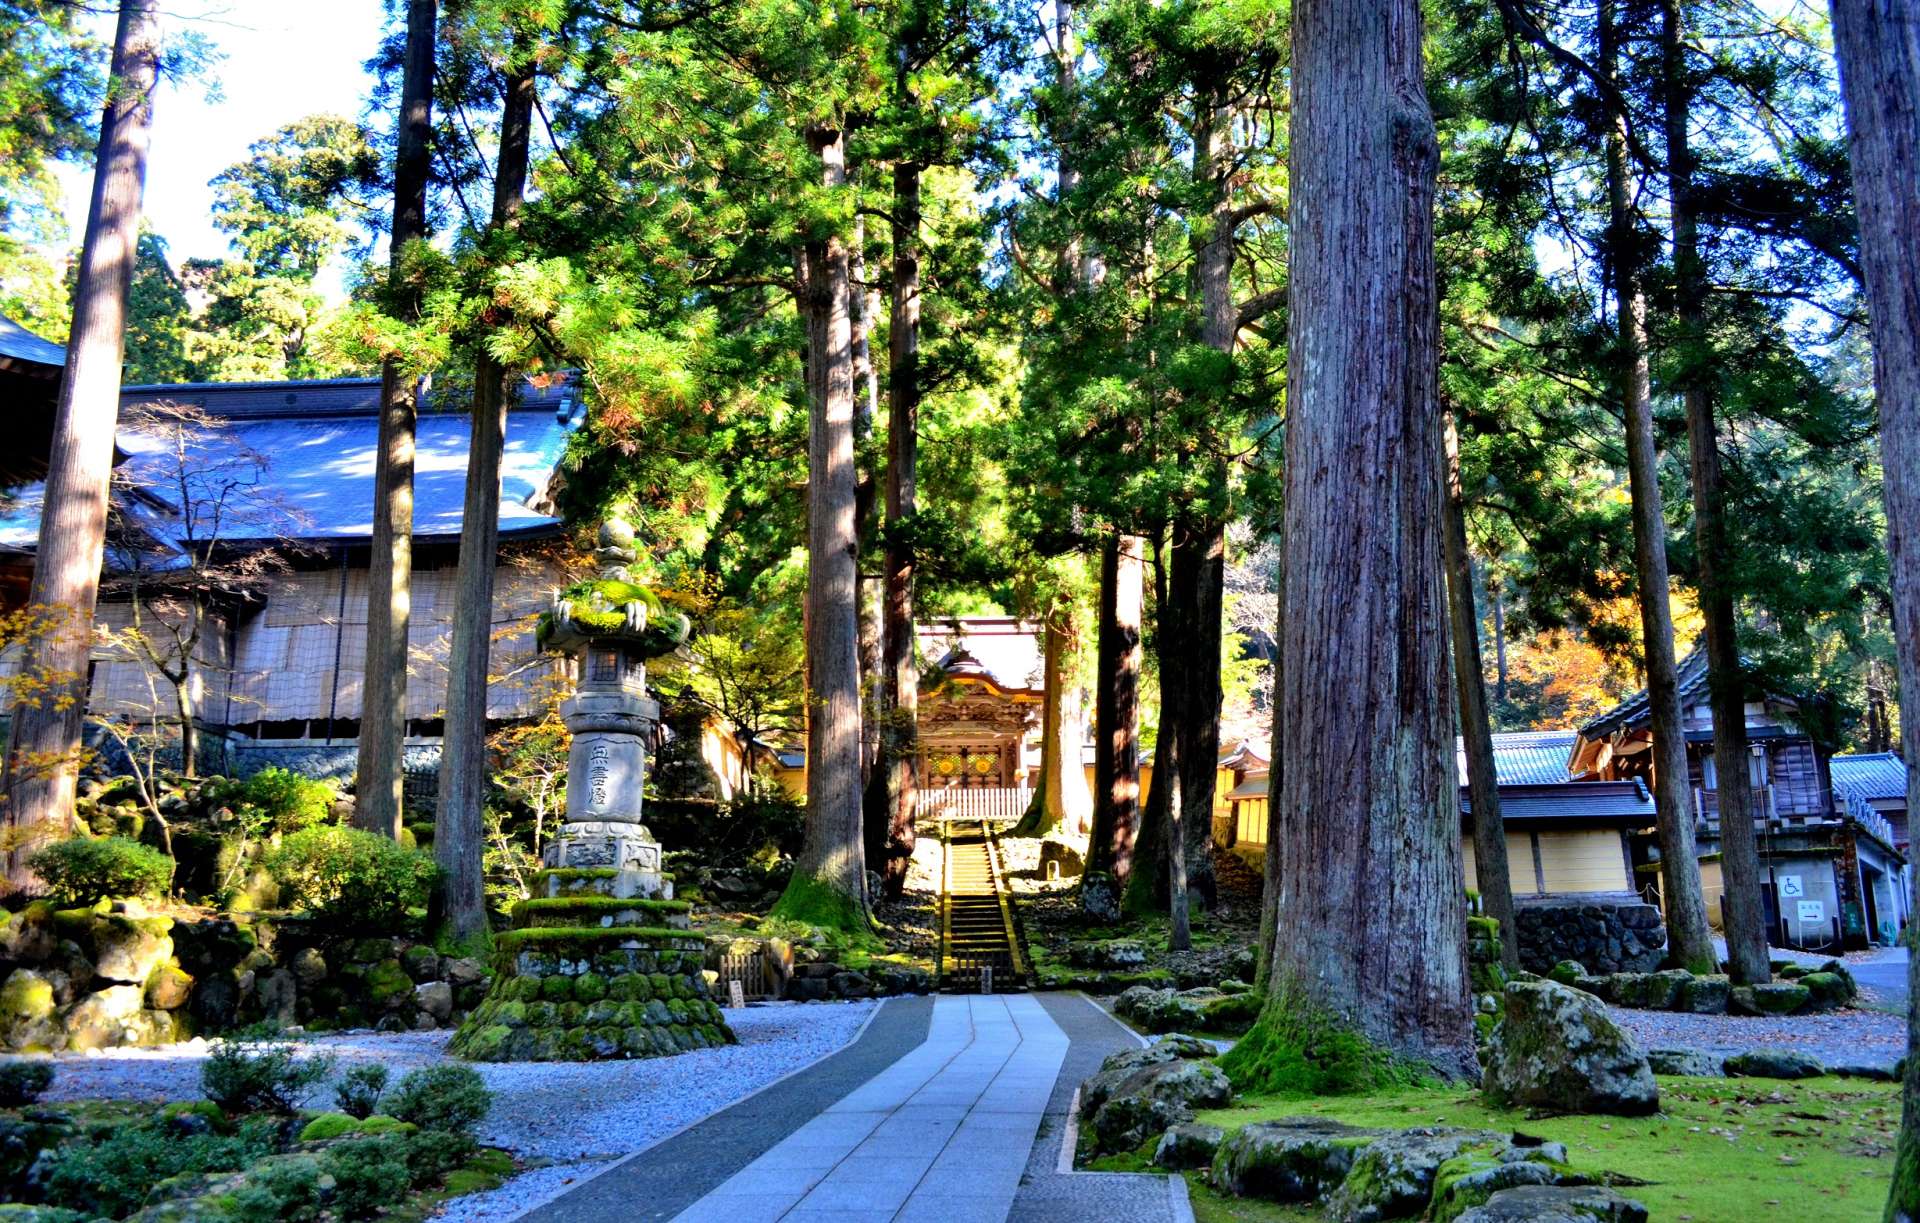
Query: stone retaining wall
pixel 1605 934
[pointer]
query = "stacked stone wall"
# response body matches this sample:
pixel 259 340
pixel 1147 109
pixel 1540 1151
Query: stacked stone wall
pixel 1605 935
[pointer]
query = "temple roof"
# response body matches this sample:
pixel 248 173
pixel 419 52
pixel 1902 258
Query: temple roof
pixel 1000 652
pixel 1880 775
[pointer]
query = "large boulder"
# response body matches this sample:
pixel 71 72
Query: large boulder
pixel 1773 998
pixel 1650 991
pixel 1556 1204
pixel 1693 1063
pixel 1558 1049
pixel 1189 1145
pixel 128 949
pixel 1774 1064
pixel 1392 1176
pixel 1707 995
pixel 1121 953
pixel 1298 1159
pixel 26 1011
pixel 1140 1093
pixel 107 1018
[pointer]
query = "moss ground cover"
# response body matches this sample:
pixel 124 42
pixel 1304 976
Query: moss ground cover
pixel 1719 1149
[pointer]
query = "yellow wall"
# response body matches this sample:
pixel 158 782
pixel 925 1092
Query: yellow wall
pixel 1519 865
pixel 1583 860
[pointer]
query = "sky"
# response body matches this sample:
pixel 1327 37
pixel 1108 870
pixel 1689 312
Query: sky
pixel 284 59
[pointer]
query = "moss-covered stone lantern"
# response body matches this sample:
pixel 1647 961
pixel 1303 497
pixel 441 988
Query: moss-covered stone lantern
pixel 600 963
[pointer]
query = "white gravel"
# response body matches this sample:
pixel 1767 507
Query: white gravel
pixel 566 1119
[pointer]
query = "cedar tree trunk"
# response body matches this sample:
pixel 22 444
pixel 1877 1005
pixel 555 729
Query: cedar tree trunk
pixel 43 747
pixel 459 822
pixel 1687 937
pixel 1116 748
pixel 1483 784
pixel 1746 933
pixel 829 886
pixel 901 676
pixel 1878 43
pixel 380 771
pixel 1371 971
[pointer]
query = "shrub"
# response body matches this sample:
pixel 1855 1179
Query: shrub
pixel 285 1191
pixel 431 1154
pixel 22 1082
pixel 450 1099
pixel 367 1175
pixel 84 870
pixel 261 1076
pixel 357 880
pixel 288 802
pixel 111 1176
pixel 358 1093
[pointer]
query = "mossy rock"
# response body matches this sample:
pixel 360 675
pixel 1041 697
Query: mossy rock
pixel 1468 1180
pixel 388 985
pixel 329 1126
pixel 1567 972
pixel 1773 998
pixel 1828 990
pixel 1706 995
pixel 26 1008
pixel 1299 1159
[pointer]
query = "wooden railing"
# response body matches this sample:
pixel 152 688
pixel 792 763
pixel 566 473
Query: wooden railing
pixel 1002 803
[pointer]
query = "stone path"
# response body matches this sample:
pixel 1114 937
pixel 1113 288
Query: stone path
pixel 949 1109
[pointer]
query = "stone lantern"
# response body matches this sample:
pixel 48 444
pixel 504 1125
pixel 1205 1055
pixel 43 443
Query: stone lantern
pixel 600 963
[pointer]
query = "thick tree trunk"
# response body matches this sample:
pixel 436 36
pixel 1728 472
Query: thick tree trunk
pixel 1370 866
pixel 43 747
pixel 1274 864
pixel 1746 926
pixel 459 821
pixel 1147 884
pixel 1116 749
pixel 1878 44
pixel 1483 784
pixel 380 772
pixel 901 675
pixel 1688 939
pixel 1199 582
pixel 829 879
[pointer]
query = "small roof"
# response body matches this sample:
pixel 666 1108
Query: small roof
pixel 1243 754
pixel 1255 786
pixel 1530 757
pixel 1874 776
pixel 998 651
pixel 1637 709
pixel 19 344
pixel 1610 802
pixel 320 439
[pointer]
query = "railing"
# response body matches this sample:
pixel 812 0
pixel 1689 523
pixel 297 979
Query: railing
pixel 750 970
pixel 1002 803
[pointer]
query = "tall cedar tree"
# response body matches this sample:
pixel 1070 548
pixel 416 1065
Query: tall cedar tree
pixel 1878 43
pixel 459 821
pixel 1373 962
pixel 43 746
pixel 380 770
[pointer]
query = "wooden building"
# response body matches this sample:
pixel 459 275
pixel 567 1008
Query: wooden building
pixel 279 680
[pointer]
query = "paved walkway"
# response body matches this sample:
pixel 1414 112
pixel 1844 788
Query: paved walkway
pixel 953 1108
pixel 942 1135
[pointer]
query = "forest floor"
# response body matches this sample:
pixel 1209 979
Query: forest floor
pixel 1719 1149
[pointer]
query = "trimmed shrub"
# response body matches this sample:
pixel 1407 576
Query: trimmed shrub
pixel 22 1082
pixel 357 880
pixel 447 1098
pixel 261 1076
pixel 368 1175
pixel 285 1191
pixel 431 1154
pixel 112 1175
pixel 287 801
pixel 85 870
pixel 358 1093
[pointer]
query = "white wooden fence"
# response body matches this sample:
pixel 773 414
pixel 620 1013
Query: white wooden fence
pixel 973 803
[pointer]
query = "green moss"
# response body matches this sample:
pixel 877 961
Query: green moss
pixel 329 1125
pixel 387 980
pixel 812 900
pixel 591 906
pixel 584 938
pixel 380 1124
pixel 1294 1049
pixel 25 997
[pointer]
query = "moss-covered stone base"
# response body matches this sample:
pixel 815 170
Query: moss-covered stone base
pixel 582 995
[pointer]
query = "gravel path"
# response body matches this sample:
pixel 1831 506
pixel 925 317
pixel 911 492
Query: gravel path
pixel 1853 1037
pixel 568 1117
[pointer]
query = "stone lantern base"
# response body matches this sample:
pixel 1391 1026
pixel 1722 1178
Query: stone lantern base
pixel 599 966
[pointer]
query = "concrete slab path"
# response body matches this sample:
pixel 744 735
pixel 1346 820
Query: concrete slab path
pixel 941 1136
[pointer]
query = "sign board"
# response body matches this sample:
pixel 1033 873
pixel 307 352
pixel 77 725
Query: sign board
pixel 1791 888
pixel 986 978
pixel 1812 911
pixel 736 995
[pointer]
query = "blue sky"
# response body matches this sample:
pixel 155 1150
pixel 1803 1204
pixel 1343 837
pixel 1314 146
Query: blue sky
pixel 284 59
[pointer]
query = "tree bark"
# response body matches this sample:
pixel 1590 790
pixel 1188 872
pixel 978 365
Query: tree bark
pixel 1274 864
pixel 1116 750
pixel 43 747
pixel 1147 885
pixel 1483 783
pixel 380 771
pixel 829 879
pixel 1198 583
pixel 1370 844
pixel 1688 939
pixel 901 675
pixel 459 822
pixel 1878 45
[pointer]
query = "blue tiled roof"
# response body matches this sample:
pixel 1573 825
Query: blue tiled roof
pixel 1526 757
pixel 19 344
pixel 319 443
pixel 1880 775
